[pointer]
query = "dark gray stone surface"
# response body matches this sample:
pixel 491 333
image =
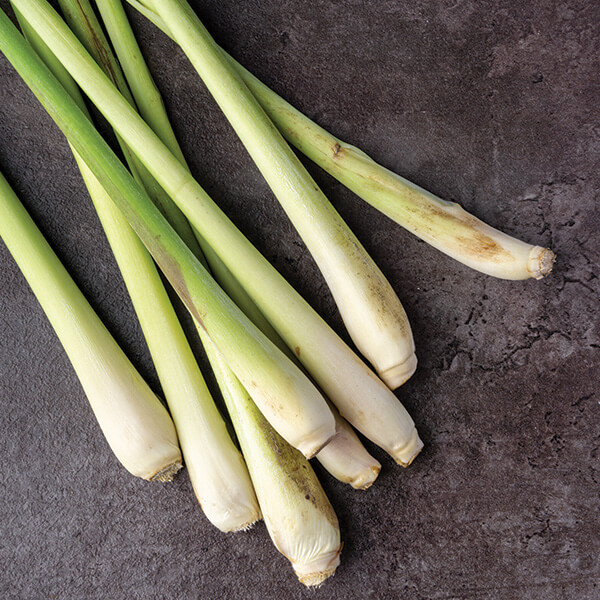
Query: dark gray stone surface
pixel 493 104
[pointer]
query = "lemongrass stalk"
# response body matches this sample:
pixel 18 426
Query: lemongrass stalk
pixel 370 309
pixel 445 225
pixel 145 97
pixel 216 468
pixel 80 16
pixel 151 108
pixel 296 511
pixel 151 16
pixel 289 401
pixel 347 459
pixel 137 75
pixel 133 420
pixel 217 471
pixel 359 395
pixel 344 457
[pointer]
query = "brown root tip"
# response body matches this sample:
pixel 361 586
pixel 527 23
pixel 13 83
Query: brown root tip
pixel 395 376
pixel 364 483
pixel 315 578
pixel 409 451
pixel 167 473
pixel 541 261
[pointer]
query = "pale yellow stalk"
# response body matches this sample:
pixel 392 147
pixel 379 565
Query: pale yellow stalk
pixel 295 509
pixel 347 459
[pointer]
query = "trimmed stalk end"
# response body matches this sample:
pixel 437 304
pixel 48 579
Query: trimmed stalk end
pixel 405 454
pixel 347 459
pixel 167 473
pixel 367 478
pixel 395 376
pixel 317 571
pixel 238 521
pixel 246 526
pixel 231 514
pixel 541 261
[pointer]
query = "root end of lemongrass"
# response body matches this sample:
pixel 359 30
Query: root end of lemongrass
pixel 167 473
pixel 231 516
pixel 247 526
pixel 395 376
pixel 409 451
pixel 316 572
pixel 540 263
pixel 367 479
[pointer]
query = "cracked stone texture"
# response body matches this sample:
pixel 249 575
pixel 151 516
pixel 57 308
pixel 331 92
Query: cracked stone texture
pixel 492 104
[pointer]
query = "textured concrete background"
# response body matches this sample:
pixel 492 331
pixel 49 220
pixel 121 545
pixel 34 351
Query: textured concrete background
pixel 493 104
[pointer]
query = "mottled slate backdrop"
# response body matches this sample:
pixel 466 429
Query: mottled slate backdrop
pixel 493 104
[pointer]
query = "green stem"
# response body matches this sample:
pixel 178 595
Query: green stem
pixel 278 387
pixel 151 108
pixel 358 394
pixel 134 422
pixel 217 470
pixel 81 18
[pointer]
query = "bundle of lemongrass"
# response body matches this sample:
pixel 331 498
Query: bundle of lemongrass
pixel 274 358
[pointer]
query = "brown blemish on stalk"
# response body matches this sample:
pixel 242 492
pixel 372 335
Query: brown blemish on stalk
pixel 297 350
pixel 102 54
pixel 469 237
pixel 289 459
pixel 476 244
pixel 173 273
